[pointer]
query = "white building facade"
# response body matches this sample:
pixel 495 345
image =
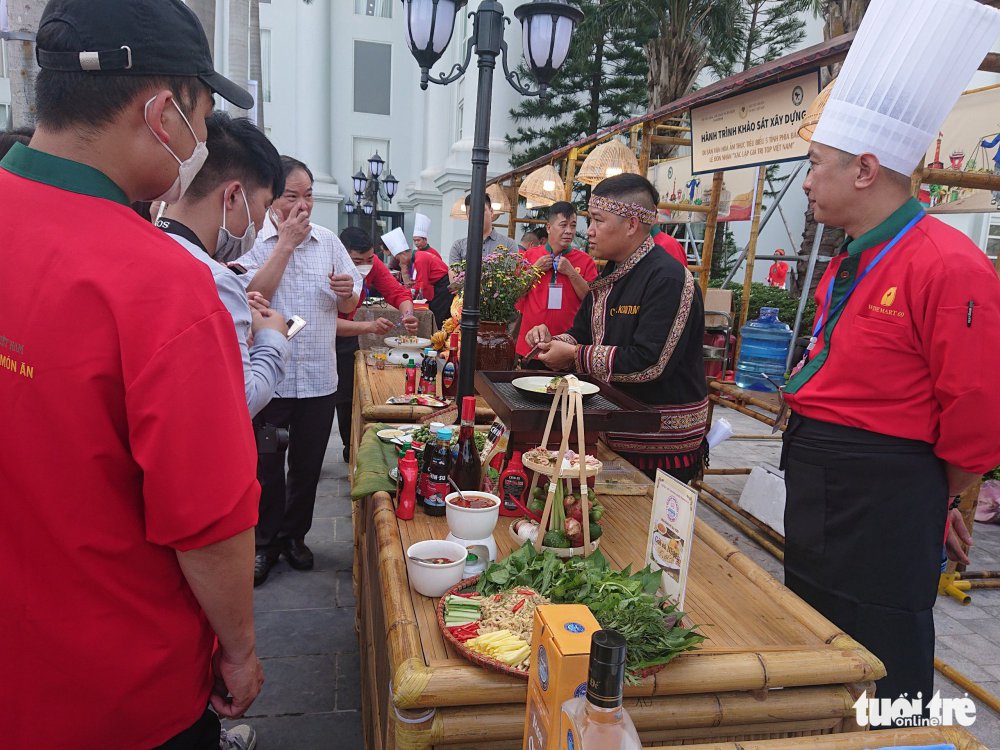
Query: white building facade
pixel 339 84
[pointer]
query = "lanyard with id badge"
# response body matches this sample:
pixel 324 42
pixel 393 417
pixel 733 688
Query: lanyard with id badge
pixel 555 290
pixel 827 315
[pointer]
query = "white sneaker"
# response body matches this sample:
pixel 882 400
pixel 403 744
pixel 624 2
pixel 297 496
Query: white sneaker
pixel 241 737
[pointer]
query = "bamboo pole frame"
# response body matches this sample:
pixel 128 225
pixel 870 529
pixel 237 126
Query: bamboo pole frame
pixel 711 226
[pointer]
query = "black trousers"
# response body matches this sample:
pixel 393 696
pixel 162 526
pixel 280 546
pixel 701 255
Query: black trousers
pixel 864 534
pixel 346 347
pixel 286 506
pixel 202 735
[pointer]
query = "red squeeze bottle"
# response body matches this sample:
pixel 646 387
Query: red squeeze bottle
pixel 513 487
pixel 406 500
pixel 411 377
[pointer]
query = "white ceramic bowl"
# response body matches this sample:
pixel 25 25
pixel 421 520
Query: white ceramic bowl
pixel 433 580
pixel 472 523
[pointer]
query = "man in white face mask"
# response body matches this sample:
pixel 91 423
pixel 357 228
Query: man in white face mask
pixel 217 221
pixel 129 491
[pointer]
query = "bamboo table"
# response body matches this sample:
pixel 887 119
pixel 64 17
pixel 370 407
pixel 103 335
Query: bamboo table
pixel 956 736
pixel 371 389
pixel 771 667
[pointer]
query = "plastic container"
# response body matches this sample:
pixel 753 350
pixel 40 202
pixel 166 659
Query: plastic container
pixel 406 497
pixel 764 350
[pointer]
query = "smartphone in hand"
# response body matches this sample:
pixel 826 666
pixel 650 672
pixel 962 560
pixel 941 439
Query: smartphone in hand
pixel 295 324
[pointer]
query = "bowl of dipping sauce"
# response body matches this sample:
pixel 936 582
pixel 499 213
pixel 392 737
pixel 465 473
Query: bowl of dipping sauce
pixel 435 565
pixel 473 516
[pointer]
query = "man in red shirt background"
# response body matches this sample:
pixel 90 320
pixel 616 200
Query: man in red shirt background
pixel 674 248
pixel 129 490
pixel 428 272
pixel 377 279
pixel 565 281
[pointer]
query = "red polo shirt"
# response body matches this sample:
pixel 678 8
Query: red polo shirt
pixel 381 281
pixel 427 270
pixel 674 248
pixel 915 350
pixel 534 305
pixel 127 438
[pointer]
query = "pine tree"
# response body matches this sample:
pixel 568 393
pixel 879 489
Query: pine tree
pixel 602 82
pixel 766 30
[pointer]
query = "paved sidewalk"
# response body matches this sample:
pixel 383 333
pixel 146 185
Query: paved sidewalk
pixel 305 634
pixel 305 621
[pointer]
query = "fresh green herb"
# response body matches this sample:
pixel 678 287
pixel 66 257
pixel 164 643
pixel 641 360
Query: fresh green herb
pixel 620 600
pixel 423 434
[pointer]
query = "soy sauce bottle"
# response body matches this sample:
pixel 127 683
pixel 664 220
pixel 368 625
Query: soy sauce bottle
pixel 426 453
pixel 437 475
pixel 467 471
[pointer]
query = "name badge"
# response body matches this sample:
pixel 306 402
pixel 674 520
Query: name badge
pixel 555 297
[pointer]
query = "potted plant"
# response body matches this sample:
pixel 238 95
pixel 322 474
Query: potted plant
pixel 505 279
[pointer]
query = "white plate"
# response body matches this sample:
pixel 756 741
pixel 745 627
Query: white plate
pixel 392 434
pixel 394 341
pixel 537 385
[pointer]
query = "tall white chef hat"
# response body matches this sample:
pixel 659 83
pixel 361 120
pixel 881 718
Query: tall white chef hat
pixel 421 225
pixel 907 66
pixel 396 241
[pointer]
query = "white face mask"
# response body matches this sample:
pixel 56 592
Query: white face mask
pixel 229 247
pixel 189 167
pixel 364 270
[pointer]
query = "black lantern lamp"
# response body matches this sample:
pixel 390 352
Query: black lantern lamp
pixel 391 185
pixel 360 181
pixel 547 31
pixel 368 207
pixel 349 206
pixel 375 164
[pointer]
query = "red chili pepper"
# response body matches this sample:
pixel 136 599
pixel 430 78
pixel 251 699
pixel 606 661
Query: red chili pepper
pixel 518 606
pixel 526 592
pixel 472 595
pixel 497 598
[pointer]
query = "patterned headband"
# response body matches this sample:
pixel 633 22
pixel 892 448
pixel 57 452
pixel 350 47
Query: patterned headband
pixel 625 210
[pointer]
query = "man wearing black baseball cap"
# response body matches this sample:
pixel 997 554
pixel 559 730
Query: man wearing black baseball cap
pixel 129 492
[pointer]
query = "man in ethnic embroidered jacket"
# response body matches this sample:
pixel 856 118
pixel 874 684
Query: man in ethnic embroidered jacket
pixel 641 329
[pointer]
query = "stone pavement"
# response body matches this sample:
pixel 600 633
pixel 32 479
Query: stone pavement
pixel 305 620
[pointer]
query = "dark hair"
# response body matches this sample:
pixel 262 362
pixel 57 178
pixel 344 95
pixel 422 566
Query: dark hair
pixel 542 234
pixel 289 165
pixel 629 188
pixel 9 137
pixel 356 240
pixel 531 232
pixel 486 198
pixel 238 150
pixel 561 209
pixel 89 101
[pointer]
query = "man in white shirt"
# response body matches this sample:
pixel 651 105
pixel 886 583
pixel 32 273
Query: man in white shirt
pixel 304 270
pixel 217 220
pixel 492 239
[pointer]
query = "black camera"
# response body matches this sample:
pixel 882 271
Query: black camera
pixel 270 439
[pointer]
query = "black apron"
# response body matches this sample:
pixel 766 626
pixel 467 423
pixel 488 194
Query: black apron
pixel 864 533
pixel 441 304
pixel 346 346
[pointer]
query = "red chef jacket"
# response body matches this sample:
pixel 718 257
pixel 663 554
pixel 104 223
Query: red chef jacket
pixel 381 281
pixel 668 243
pixel 534 305
pixel 915 350
pixel 127 439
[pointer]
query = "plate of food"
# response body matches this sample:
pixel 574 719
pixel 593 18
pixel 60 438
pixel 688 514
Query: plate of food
pixel 540 386
pixel 667 550
pixel 394 435
pixel 407 342
pixel 422 399
pixel 544 461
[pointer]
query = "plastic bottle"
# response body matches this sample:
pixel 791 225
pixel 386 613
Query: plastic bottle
pixel 406 499
pixel 428 373
pixel 598 721
pixel 467 471
pixel 449 373
pixel 764 350
pixel 426 453
pixel 411 377
pixel 437 475
pixel 513 487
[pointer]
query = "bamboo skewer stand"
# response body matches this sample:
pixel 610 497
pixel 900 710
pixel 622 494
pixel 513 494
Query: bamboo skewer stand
pixel 568 402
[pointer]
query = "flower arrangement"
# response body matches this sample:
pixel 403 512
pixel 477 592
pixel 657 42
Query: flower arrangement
pixel 505 278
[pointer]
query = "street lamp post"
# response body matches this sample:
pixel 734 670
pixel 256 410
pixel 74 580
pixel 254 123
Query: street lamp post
pixel 547 28
pixel 370 189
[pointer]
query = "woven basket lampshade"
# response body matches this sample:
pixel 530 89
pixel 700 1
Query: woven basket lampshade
pixel 811 118
pixel 543 187
pixel 498 199
pixel 458 211
pixel 607 160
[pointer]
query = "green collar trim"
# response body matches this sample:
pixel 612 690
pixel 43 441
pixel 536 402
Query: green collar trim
pixel 550 251
pixel 62 173
pixel 887 229
pixel 655 230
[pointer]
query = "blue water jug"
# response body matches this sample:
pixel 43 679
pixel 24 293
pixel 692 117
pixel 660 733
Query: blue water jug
pixel 764 351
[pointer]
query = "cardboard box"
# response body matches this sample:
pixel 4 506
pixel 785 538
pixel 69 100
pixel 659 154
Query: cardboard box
pixel 560 658
pixel 717 300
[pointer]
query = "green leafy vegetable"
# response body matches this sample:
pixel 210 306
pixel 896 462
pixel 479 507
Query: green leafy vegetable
pixel 620 600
